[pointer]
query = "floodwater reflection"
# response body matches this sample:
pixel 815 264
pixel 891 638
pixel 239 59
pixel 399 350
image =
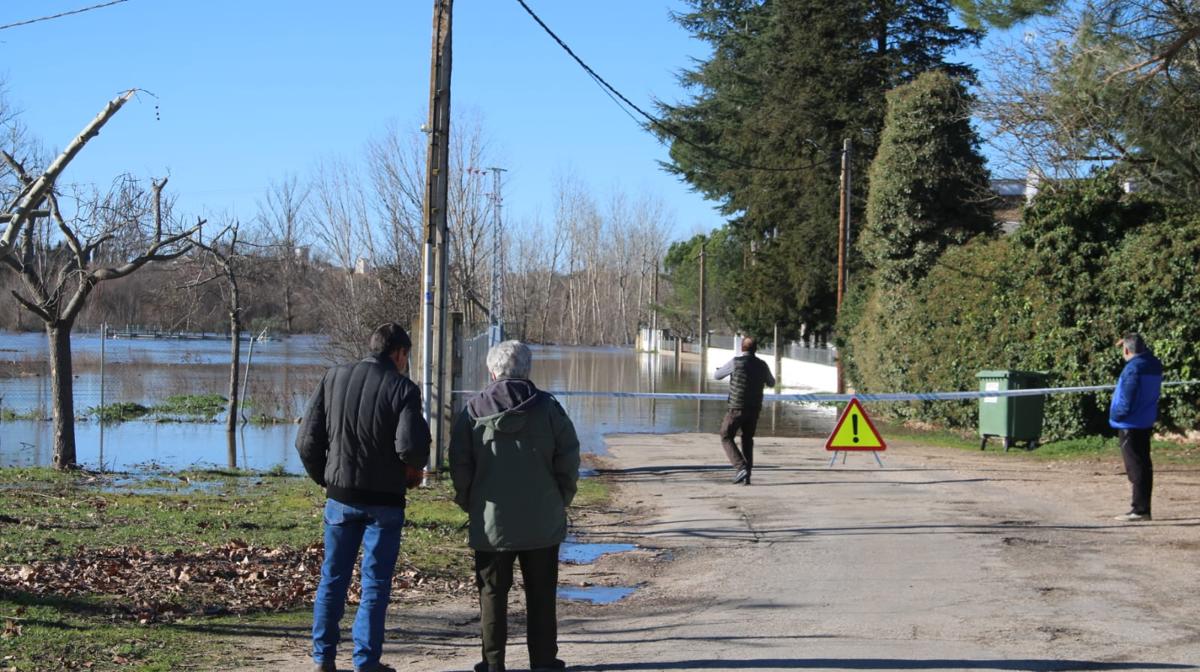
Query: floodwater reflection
pixel 618 369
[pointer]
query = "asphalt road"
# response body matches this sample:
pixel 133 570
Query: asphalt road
pixel 940 560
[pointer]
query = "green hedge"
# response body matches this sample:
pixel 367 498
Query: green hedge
pixel 1088 263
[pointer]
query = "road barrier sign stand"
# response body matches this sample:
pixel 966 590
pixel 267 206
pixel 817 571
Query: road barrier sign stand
pixel 844 453
pixel 855 431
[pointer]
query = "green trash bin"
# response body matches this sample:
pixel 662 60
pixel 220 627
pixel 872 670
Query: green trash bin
pixel 1011 418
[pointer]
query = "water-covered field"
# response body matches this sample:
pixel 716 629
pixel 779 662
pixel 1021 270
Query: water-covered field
pixel 282 375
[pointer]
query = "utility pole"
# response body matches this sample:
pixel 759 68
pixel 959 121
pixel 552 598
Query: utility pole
pixel 778 361
pixel 654 339
pixel 436 252
pixel 843 241
pixel 496 333
pixel 703 323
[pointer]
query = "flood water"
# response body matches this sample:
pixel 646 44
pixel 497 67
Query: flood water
pixel 283 374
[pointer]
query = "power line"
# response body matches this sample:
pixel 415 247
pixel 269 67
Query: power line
pixel 611 91
pixel 59 16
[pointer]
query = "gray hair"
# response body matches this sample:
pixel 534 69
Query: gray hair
pixel 510 359
pixel 1133 342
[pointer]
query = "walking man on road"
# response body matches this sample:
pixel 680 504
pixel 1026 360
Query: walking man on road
pixel 365 441
pixel 514 460
pixel 1133 412
pixel 748 375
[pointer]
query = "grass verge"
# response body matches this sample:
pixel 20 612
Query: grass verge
pixel 176 570
pixel 1090 447
pixel 169 571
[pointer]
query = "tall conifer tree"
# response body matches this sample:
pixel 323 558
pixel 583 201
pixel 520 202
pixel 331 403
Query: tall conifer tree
pixel 786 82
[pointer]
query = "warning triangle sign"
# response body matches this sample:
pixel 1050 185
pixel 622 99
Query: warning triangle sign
pixel 854 431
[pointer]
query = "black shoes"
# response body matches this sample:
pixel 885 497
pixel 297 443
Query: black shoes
pixel 556 666
pixel 742 476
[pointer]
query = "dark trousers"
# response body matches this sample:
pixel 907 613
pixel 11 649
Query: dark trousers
pixel 494 577
pixel 745 419
pixel 1135 449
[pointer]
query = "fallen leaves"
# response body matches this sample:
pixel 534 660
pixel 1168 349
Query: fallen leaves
pixel 233 578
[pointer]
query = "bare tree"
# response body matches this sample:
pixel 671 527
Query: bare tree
pixel 1104 82
pixel 59 278
pixel 226 261
pixel 341 224
pixel 523 285
pixel 33 191
pixel 281 215
pixel 396 164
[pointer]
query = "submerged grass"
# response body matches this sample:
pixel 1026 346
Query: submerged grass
pixel 206 406
pixel 119 412
pixel 10 415
pixel 47 514
pixel 176 408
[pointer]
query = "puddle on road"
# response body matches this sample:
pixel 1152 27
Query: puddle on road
pixel 595 594
pixel 574 553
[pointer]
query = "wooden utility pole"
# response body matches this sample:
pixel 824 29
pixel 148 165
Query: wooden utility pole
pixel 843 240
pixel 703 324
pixel 436 250
pixel 654 340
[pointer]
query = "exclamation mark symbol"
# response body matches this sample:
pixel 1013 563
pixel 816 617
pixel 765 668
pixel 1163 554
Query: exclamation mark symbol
pixel 854 425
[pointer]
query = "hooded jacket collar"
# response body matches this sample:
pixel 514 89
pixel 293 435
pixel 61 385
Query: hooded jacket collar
pixel 503 404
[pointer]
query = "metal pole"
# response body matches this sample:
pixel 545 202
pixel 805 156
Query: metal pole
pixel 103 337
pixel 778 361
pixel 843 231
pixel 427 329
pixel 703 324
pixel 497 303
pixel 246 376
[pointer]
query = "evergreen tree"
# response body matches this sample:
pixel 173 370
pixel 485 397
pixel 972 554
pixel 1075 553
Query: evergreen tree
pixel 786 82
pixel 681 266
pixel 1003 13
pixel 928 182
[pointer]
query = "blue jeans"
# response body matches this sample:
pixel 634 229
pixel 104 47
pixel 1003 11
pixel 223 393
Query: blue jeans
pixel 377 529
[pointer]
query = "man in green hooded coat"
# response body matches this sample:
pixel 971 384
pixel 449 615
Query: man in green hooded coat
pixel 514 460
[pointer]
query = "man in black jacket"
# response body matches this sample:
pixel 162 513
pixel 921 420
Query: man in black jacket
pixel 747 377
pixel 365 441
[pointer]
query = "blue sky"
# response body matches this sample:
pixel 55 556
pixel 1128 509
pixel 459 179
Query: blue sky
pixel 249 90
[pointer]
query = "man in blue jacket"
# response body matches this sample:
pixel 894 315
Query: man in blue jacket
pixel 1133 412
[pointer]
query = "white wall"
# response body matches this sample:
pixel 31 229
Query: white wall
pixel 793 374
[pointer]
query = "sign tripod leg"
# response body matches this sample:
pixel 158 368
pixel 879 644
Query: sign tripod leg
pixel 846 453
